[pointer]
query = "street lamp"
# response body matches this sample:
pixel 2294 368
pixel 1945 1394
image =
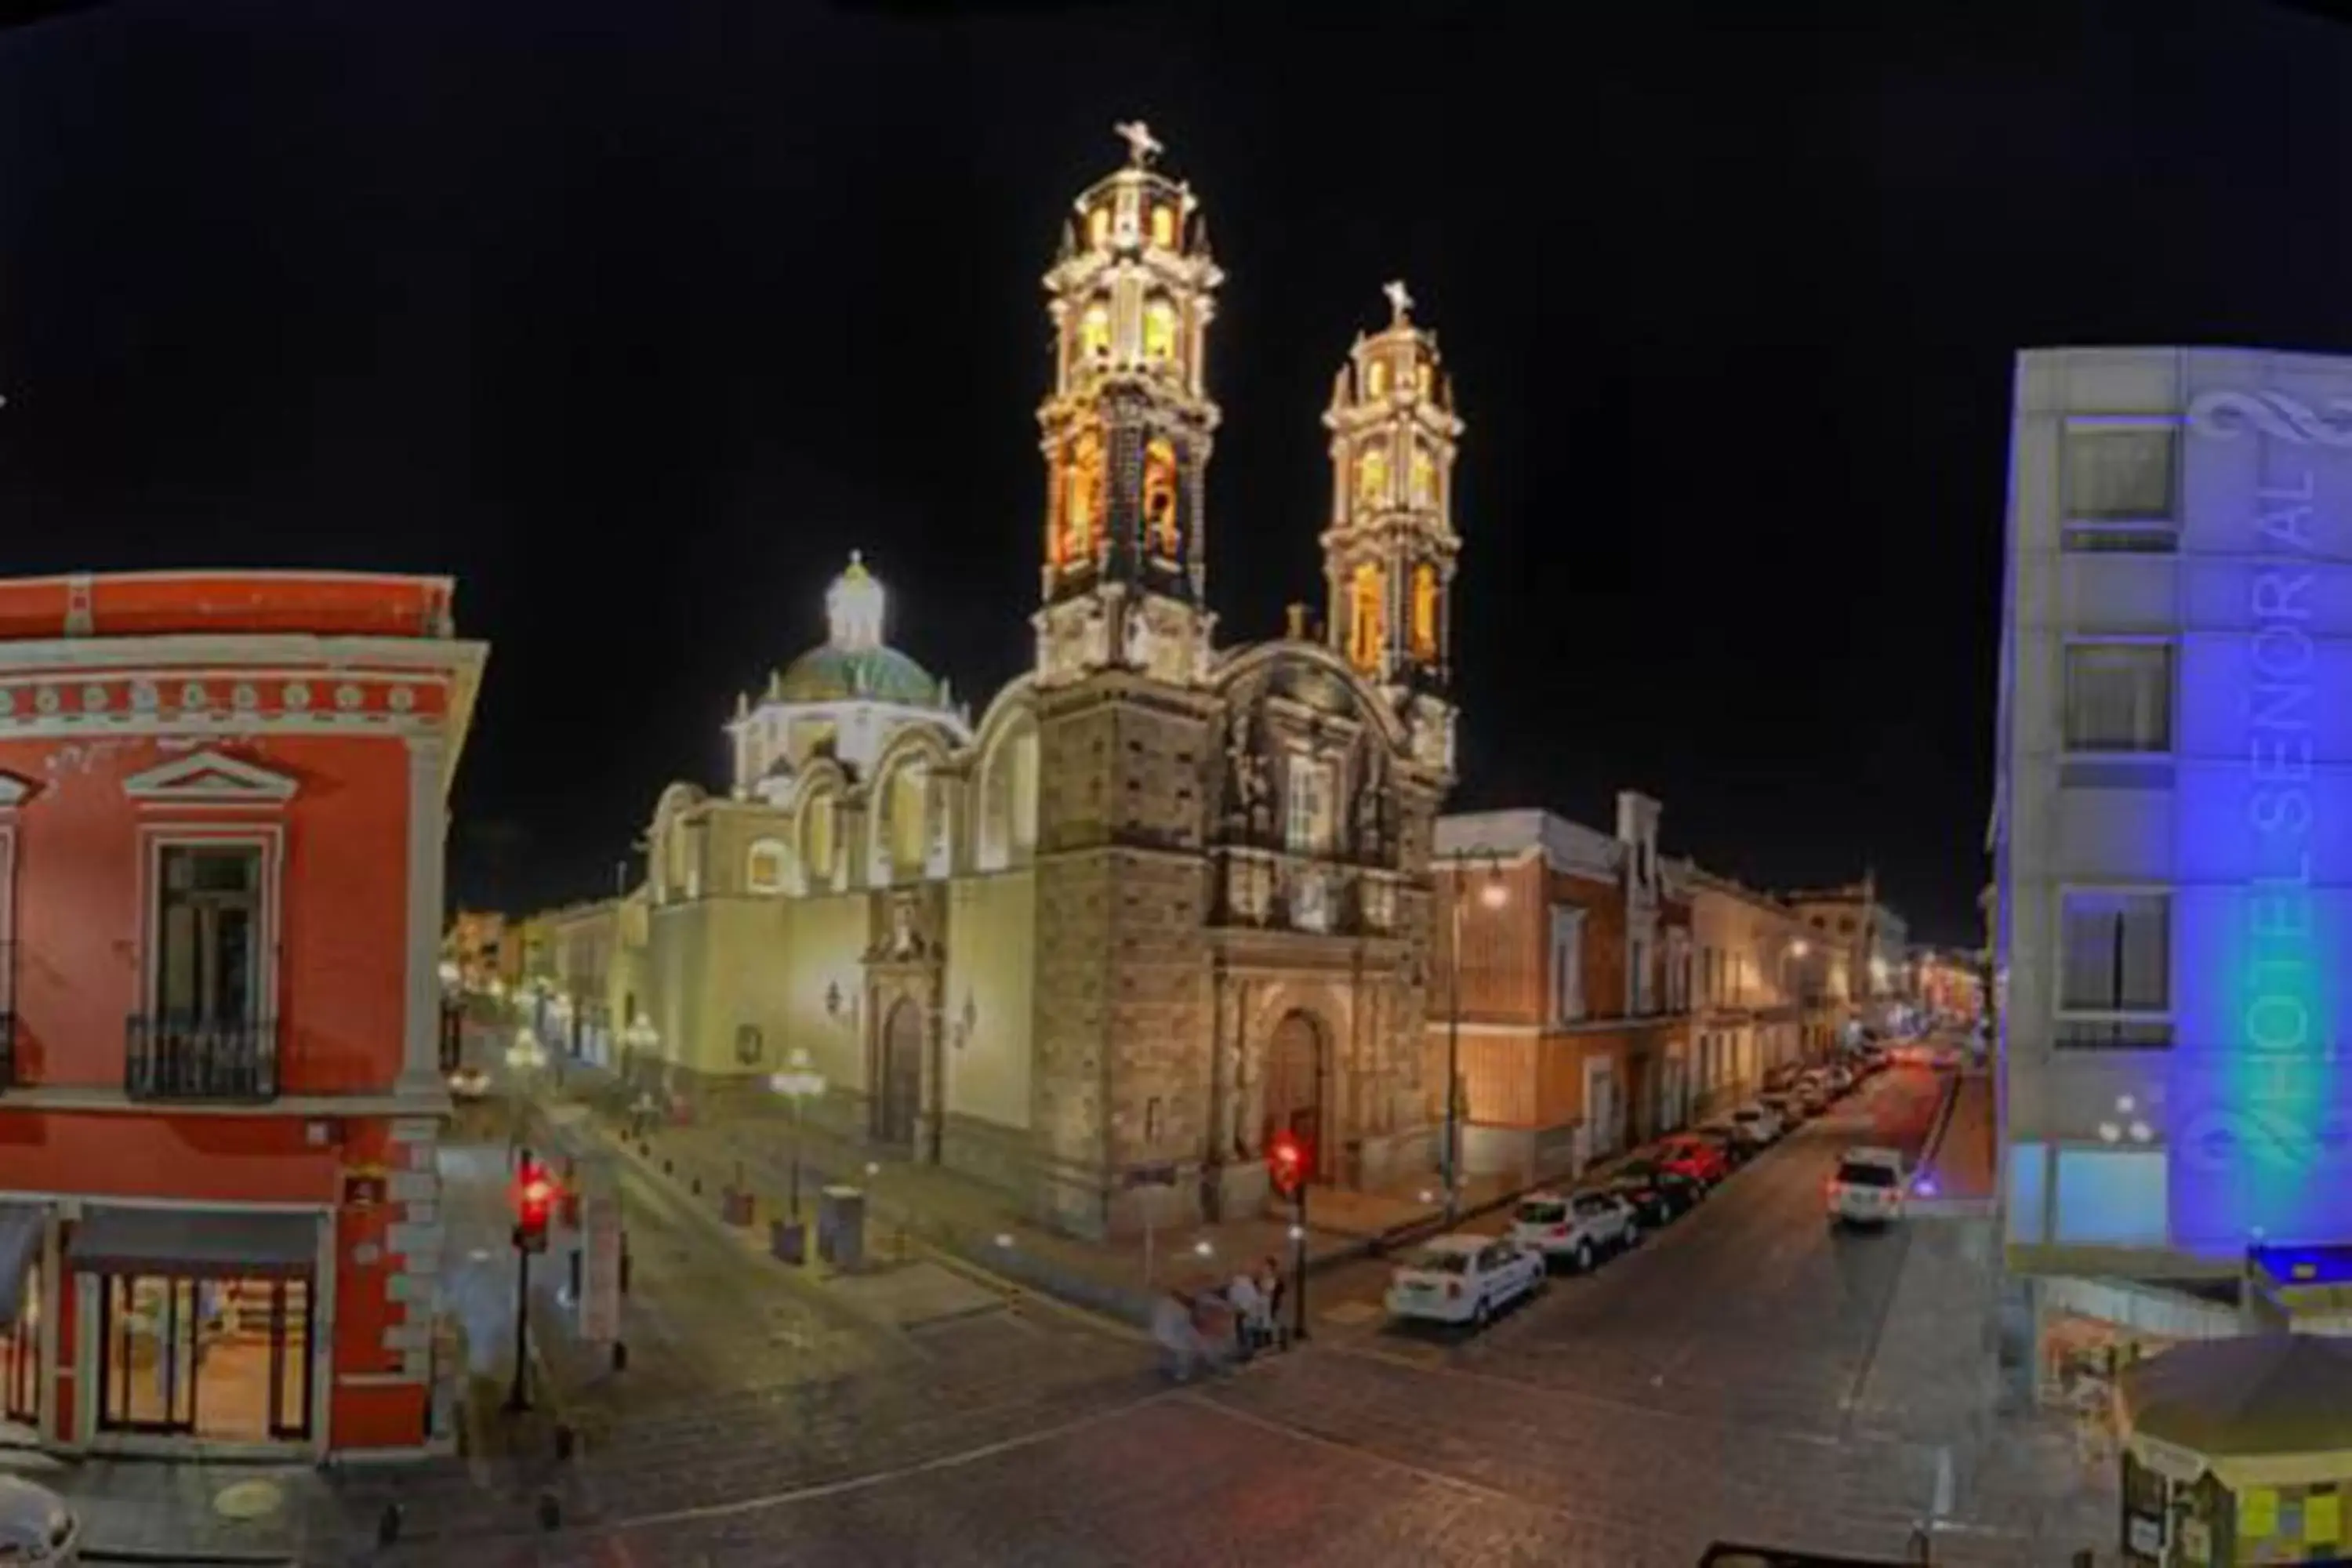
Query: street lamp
pixel 524 1056
pixel 799 1082
pixel 1491 895
pixel 1796 949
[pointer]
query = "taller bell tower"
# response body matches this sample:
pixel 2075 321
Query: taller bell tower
pixel 1390 549
pixel 1126 431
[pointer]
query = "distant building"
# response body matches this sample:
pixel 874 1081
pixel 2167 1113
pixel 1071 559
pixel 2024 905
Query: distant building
pixel 221 800
pixel 1770 991
pixel 1875 940
pixel 1572 1033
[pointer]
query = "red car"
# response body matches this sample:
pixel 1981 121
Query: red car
pixel 1701 1159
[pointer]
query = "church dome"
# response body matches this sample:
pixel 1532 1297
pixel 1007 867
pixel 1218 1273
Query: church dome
pixel 853 665
pixel 850 675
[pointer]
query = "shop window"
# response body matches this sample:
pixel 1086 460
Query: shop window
pixel 20 1357
pixel 224 1360
pixel 2029 1185
pixel 2111 1197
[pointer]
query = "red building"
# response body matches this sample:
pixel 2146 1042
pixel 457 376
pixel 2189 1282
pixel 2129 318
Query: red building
pixel 1571 1038
pixel 222 805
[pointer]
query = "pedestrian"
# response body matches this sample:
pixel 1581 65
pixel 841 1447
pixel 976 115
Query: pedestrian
pixel 1249 1315
pixel 1270 1290
pixel 1172 1325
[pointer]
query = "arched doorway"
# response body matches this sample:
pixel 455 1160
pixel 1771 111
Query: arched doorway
pixel 1293 1087
pixel 899 1077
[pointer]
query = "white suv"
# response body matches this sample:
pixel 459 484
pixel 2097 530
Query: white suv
pixel 1579 1227
pixel 1867 1188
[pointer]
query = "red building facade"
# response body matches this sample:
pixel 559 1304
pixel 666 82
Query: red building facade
pixel 1571 1038
pixel 222 812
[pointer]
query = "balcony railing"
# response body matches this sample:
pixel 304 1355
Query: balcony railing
pixel 167 1057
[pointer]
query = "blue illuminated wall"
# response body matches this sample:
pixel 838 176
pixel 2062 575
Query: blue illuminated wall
pixel 2259 1130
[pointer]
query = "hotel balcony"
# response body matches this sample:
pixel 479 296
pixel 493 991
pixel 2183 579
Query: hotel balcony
pixel 170 1058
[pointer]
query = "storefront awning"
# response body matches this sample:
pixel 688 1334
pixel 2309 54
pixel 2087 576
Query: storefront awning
pixel 21 1227
pixel 204 1242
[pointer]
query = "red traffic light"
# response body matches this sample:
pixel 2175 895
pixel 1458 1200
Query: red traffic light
pixel 535 1194
pixel 1286 1161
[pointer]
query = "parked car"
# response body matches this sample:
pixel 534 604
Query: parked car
pixel 1812 1095
pixel 1785 1105
pixel 1701 1159
pixel 1463 1278
pixel 1726 1137
pixel 1758 1123
pixel 37 1527
pixel 1659 1197
pixel 1579 1229
pixel 1841 1078
pixel 1867 1188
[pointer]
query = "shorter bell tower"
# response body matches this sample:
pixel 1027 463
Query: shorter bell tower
pixel 1390 549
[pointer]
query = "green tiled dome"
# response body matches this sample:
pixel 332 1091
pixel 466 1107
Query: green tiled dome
pixel 832 674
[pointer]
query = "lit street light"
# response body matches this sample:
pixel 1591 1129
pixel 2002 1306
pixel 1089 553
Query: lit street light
pixel 1491 895
pixel 798 1082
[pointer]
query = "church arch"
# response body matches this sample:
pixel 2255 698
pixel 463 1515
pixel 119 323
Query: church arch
pixel 1297 1079
pixel 898 1075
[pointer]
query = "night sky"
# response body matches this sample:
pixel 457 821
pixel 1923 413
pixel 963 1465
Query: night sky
pixel 637 318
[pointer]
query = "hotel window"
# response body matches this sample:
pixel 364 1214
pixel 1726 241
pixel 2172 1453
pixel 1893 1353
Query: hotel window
pixel 209 933
pixel 2119 489
pixel 2118 697
pixel 2115 955
pixel 1567 963
pixel 1308 806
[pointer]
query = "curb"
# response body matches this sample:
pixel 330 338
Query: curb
pixel 181 1557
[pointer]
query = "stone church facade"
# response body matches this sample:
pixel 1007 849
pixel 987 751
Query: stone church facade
pixel 1162 899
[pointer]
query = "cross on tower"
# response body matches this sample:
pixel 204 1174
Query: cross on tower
pixel 1400 302
pixel 1142 146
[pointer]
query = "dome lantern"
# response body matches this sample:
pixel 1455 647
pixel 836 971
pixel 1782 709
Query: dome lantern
pixel 853 607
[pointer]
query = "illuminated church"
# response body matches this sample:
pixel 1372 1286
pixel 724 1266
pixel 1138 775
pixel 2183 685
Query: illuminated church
pixel 1160 899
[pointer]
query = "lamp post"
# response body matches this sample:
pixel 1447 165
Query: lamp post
pixel 1797 950
pixel 1493 895
pixel 640 1039
pixel 797 1083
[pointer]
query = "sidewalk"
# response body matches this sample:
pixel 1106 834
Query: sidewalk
pixel 915 1211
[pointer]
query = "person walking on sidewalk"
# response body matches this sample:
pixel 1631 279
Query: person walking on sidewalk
pixel 1271 1290
pixel 1250 1325
pixel 1172 1325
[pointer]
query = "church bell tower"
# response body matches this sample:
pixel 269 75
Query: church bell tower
pixel 1389 550
pixel 1126 431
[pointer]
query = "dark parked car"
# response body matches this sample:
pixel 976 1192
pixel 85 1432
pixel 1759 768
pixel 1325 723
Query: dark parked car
pixel 1723 1138
pixel 1658 1196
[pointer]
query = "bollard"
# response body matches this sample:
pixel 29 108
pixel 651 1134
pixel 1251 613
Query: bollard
pixel 697 1186
pixel 620 1356
pixel 550 1512
pixel 566 1440
pixel 387 1525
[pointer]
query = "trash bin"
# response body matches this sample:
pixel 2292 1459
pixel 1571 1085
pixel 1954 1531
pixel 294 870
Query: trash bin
pixel 788 1239
pixel 841 1226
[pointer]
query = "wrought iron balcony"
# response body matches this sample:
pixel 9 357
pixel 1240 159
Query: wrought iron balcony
pixel 171 1057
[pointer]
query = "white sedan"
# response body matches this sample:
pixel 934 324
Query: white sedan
pixel 36 1526
pixel 1463 1278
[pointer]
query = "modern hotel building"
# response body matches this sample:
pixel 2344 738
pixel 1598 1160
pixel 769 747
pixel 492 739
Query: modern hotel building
pixel 2172 832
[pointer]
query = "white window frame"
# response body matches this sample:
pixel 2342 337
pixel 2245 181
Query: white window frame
pixel 156 838
pixel 1566 980
pixel 2073 522
pixel 2169 649
pixel 2066 1014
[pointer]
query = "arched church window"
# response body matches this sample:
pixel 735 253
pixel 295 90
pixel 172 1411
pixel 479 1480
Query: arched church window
pixel 1372 477
pixel 1376 379
pixel 1159 496
pixel 1367 616
pixel 1094 332
pixel 1164 226
pixel 1423 484
pixel 1098 227
pixel 908 823
pixel 1423 376
pixel 1424 610
pixel 763 867
pixel 816 840
pixel 1085 477
pixel 1159 330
